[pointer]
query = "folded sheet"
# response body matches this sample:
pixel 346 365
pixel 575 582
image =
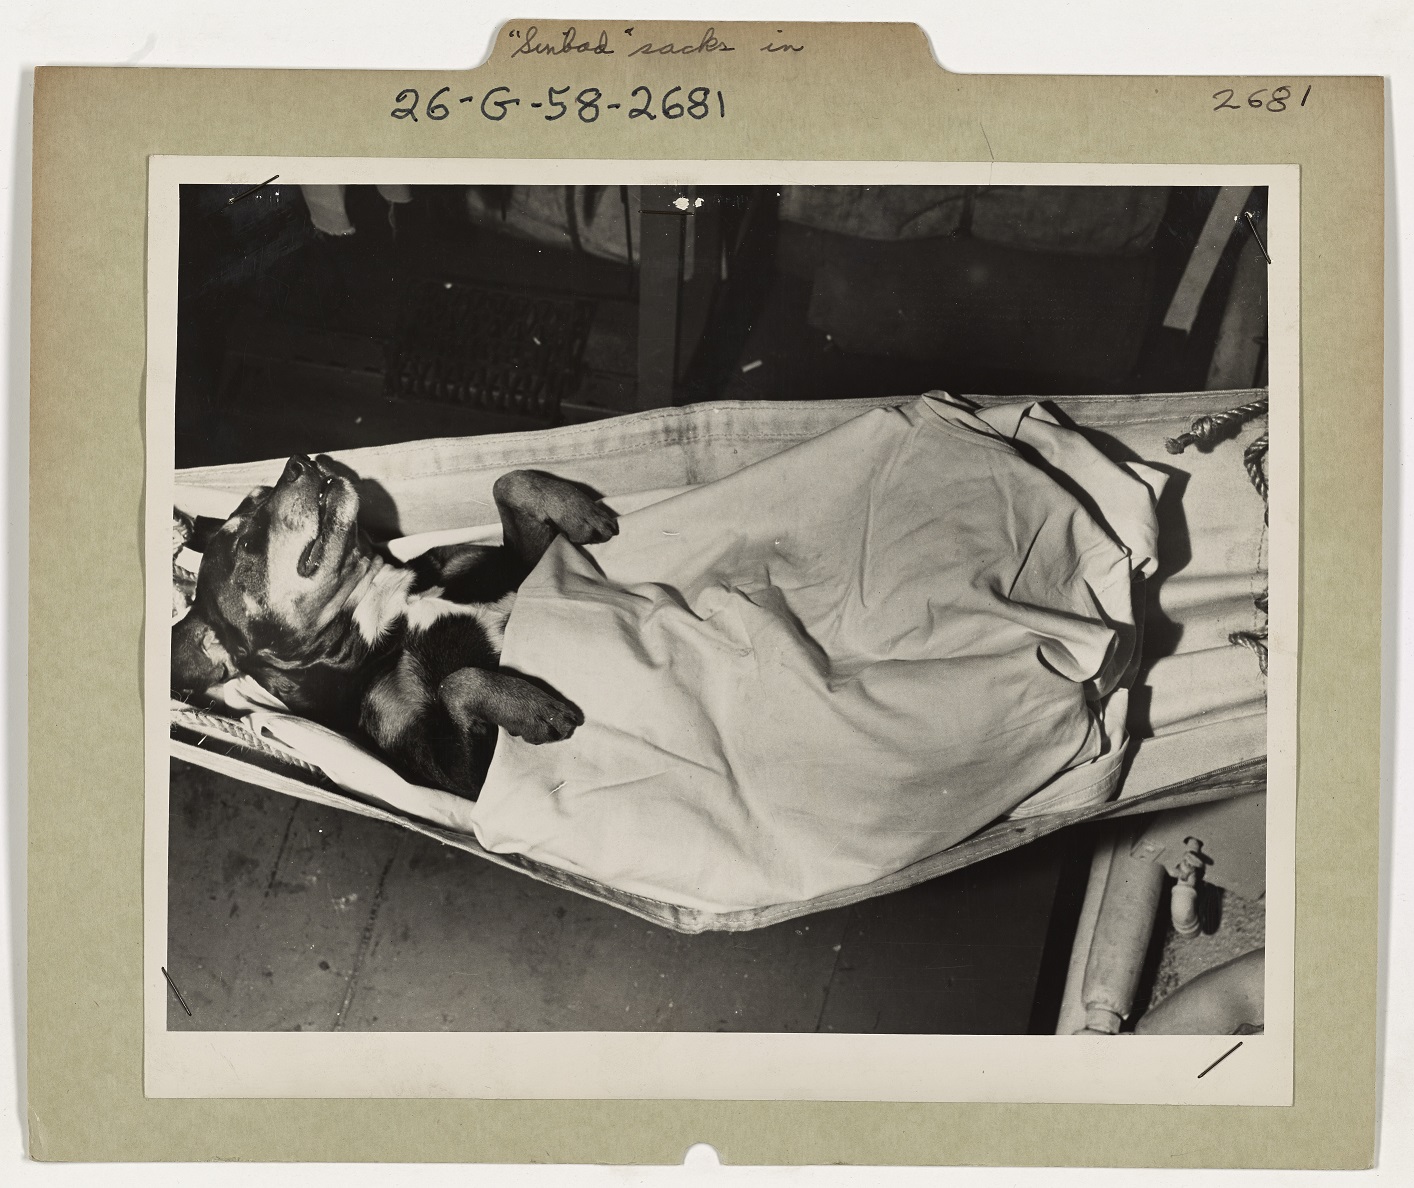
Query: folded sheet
pixel 835 662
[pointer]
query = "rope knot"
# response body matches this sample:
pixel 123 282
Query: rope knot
pixel 1207 430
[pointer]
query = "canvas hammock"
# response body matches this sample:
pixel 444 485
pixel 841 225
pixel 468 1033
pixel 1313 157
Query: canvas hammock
pixel 1199 722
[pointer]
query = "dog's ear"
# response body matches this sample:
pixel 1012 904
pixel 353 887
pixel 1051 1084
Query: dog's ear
pixel 202 530
pixel 198 658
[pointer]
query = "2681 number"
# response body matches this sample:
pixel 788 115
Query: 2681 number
pixel 695 108
pixel 1277 99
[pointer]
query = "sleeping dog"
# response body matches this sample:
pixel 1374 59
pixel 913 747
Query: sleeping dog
pixel 292 593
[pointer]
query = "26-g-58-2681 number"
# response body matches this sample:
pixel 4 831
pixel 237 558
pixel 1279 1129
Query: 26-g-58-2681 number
pixel 676 103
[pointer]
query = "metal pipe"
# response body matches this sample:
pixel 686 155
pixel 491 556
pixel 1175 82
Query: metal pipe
pixel 1123 929
pixel 1071 1018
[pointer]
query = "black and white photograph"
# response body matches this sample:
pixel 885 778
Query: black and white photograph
pixel 757 630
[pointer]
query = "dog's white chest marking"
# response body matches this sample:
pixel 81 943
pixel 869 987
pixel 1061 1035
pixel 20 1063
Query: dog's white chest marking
pixel 384 603
pixel 389 600
pixel 426 608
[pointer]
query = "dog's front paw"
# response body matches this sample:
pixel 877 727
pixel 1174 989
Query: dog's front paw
pixel 547 719
pixel 583 520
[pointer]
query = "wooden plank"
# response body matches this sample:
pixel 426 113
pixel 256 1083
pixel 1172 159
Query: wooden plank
pixel 1212 240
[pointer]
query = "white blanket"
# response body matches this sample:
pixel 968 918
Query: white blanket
pixel 832 663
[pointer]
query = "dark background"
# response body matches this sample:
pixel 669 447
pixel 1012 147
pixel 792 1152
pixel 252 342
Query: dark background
pixel 293 339
pixel 427 321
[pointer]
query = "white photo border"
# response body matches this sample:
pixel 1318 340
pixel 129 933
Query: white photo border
pixel 1130 1070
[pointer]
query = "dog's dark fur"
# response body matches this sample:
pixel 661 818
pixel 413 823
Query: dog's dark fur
pixel 292 593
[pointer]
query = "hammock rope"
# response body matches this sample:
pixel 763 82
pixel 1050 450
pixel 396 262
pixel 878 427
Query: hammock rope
pixel 1207 431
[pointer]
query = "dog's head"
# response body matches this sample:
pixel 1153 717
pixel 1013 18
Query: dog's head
pixel 274 578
